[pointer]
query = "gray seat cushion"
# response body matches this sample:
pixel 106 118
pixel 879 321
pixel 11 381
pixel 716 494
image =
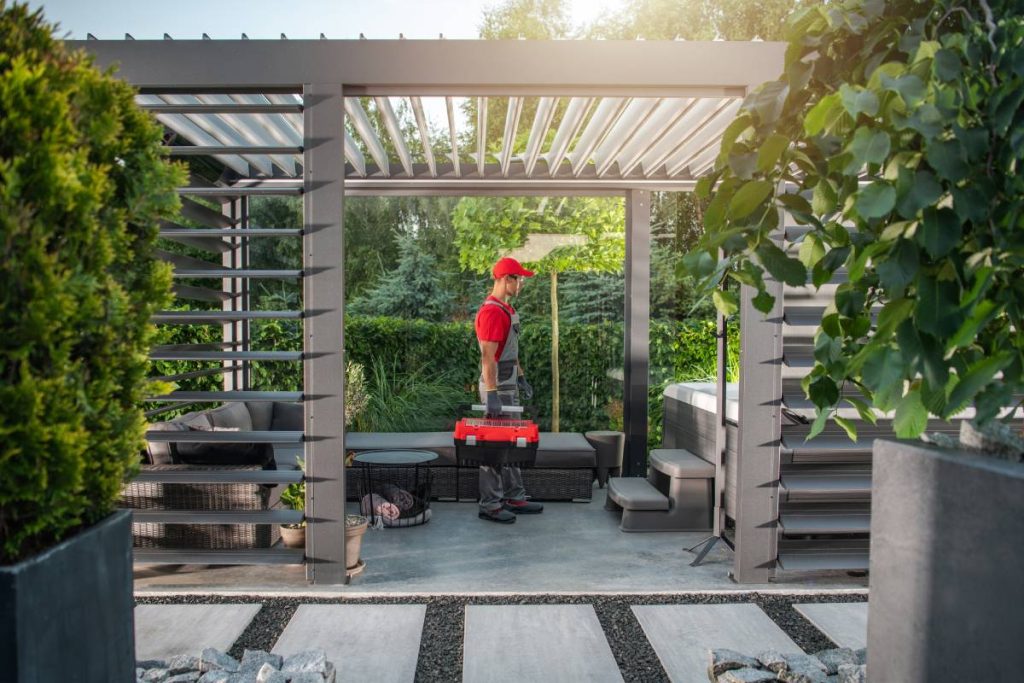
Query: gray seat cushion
pixel 565 450
pixel 288 417
pixel 231 416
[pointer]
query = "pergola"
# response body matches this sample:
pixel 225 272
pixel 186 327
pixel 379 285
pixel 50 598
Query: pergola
pixel 638 116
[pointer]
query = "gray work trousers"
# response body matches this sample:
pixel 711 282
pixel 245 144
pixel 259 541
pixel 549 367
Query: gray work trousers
pixel 506 482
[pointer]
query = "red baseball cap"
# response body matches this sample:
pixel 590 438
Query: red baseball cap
pixel 509 266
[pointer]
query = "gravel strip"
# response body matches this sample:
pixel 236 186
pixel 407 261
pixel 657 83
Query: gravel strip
pixel 440 655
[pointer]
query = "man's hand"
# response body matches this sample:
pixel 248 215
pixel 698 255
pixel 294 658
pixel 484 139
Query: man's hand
pixel 493 404
pixel 524 387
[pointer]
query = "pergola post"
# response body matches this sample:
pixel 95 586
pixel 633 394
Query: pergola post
pixel 760 434
pixel 323 331
pixel 637 330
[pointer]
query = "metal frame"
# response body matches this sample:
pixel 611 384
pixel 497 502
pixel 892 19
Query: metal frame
pixel 184 81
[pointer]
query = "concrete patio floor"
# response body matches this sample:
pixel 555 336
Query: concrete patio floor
pixel 570 548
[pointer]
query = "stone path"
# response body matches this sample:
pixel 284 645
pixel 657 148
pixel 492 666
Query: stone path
pixel 682 635
pixel 377 643
pixel 846 624
pixel 162 631
pixel 536 643
pixel 519 642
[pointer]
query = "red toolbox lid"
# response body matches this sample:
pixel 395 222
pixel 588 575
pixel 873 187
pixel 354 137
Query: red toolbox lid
pixel 492 431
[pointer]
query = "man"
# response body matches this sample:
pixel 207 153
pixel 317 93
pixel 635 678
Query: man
pixel 502 495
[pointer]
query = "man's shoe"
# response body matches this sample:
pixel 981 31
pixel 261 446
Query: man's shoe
pixel 500 515
pixel 523 507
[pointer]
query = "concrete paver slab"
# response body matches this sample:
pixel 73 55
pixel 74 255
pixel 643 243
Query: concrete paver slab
pixel 536 643
pixel 162 631
pixel 379 643
pixel 845 623
pixel 682 634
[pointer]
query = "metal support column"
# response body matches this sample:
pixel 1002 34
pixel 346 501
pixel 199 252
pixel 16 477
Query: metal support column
pixel 760 434
pixel 324 367
pixel 232 258
pixel 637 330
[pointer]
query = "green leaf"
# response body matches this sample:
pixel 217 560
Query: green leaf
pixel 750 196
pixel 978 375
pixel 948 159
pixel 897 270
pixel 971 327
pixel 863 409
pixel 767 101
pixel 811 250
pixel 937 311
pixel 823 392
pixel 911 416
pixel 823 201
pixel 909 87
pixel 892 314
pixel 818 426
pixel 763 302
pixel 823 115
pixel 738 125
pixel 795 203
pixel 698 264
pixel 882 369
pixel 726 302
pixel 940 232
pixel 869 146
pixel 1004 105
pixel 782 267
pixel 875 200
pixel 848 426
pixel 859 264
pixel 858 100
pixel 770 152
pixel 922 191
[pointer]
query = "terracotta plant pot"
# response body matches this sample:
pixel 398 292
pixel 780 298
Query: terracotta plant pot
pixel 293 536
pixel 354 539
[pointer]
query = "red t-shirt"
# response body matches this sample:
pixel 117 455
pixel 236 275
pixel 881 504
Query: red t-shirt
pixel 493 325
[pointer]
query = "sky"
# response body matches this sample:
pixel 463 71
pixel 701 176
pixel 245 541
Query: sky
pixel 189 19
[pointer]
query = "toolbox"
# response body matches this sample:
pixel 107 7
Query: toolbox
pixel 496 442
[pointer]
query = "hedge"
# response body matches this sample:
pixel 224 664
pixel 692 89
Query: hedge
pixel 83 185
pixel 591 355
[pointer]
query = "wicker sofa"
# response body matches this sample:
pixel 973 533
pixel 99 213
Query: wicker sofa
pixel 565 470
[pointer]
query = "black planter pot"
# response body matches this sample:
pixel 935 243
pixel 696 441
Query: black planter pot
pixel 67 614
pixel 947 552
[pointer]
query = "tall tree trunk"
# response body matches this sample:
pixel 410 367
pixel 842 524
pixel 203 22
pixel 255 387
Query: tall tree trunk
pixel 554 353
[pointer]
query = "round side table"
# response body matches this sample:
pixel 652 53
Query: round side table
pixel 394 491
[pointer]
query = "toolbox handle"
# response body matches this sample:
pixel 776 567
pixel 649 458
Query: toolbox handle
pixel 480 408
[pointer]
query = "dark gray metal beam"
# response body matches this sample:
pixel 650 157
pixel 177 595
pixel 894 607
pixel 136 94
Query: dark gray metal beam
pixel 323 337
pixel 637 330
pixel 448 67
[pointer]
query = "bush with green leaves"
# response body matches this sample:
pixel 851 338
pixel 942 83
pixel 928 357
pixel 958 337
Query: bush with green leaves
pixel 83 184
pixel 895 136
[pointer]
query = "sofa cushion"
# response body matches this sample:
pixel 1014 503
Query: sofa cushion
pixel 232 416
pixel 160 452
pixel 261 413
pixel 565 450
pixel 441 443
pixel 288 417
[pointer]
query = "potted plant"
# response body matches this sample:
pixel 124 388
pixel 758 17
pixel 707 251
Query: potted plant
pixel 895 137
pixel 83 185
pixel 294 496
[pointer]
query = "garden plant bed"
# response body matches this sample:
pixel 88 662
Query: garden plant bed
pixel 440 655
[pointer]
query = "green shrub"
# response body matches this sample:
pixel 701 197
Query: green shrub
pixel 82 186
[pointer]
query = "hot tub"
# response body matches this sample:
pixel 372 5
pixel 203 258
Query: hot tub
pixel 690 420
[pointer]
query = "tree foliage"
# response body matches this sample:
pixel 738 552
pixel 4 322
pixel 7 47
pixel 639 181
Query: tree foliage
pixel 83 185
pixel 412 290
pixel 895 136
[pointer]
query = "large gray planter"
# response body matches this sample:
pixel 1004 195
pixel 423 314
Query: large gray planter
pixel 947 566
pixel 67 614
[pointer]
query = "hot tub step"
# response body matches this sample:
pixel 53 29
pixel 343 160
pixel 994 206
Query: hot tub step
pixel 634 493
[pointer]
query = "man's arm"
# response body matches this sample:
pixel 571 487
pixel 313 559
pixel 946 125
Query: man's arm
pixel 488 364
